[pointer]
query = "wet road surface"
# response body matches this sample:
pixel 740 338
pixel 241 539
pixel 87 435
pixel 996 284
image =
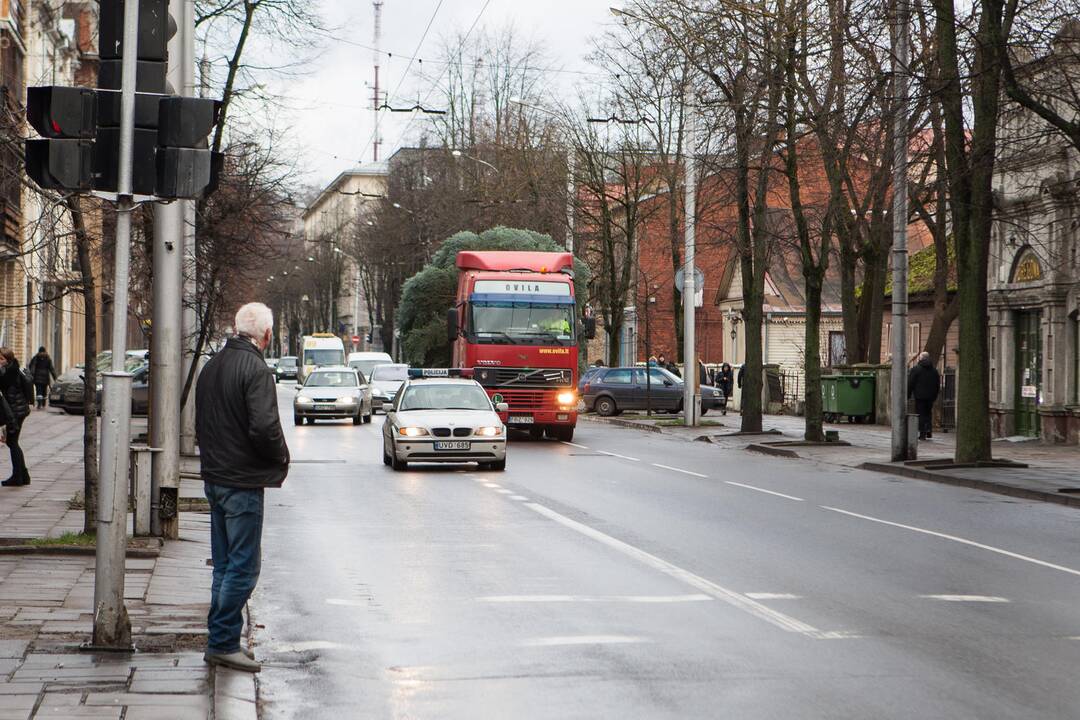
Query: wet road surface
pixel 632 575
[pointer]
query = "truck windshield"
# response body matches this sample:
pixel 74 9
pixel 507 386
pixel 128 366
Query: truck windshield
pixel 522 323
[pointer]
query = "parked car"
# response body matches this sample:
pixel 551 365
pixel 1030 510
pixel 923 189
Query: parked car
pixel 385 382
pixel 286 368
pixel 272 363
pixel 590 372
pixel 610 391
pixel 140 390
pixel 365 362
pixel 67 392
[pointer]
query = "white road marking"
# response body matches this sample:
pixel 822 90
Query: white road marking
pixel 741 602
pixel 624 457
pixel 770 492
pixel 962 541
pixel 772 596
pixel 595 598
pixel 518 497
pixel 347 603
pixel 967 598
pixel 679 470
pixel 583 640
pixel 580 447
pixel 492 485
pixel 504 491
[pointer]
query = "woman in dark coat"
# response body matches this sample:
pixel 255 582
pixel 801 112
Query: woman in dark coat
pixel 725 379
pixel 17 391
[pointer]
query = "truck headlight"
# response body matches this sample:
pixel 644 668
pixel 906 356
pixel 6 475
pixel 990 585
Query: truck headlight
pixel 491 431
pixel 412 431
pixel 566 397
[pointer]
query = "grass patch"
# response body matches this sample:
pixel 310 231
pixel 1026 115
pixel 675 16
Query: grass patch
pixel 679 423
pixel 68 538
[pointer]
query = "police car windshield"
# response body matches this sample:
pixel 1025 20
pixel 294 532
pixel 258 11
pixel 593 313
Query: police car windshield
pixel 444 396
pixel 522 323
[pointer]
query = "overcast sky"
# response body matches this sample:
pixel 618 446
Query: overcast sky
pixel 331 117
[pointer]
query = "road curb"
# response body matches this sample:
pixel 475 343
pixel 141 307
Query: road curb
pixel 624 423
pixel 772 450
pixel 235 696
pixel 998 488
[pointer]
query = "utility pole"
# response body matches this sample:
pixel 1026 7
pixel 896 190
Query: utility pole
pixel 690 393
pixel 376 51
pixel 898 377
pixel 166 344
pixel 112 627
pixel 189 315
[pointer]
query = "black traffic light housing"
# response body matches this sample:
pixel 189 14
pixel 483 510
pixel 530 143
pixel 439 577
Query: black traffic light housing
pixel 66 118
pixel 185 167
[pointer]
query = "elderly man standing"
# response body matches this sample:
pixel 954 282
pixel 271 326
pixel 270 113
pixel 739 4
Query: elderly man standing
pixel 924 383
pixel 242 451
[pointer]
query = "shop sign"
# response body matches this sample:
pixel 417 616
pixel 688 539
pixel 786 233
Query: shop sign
pixel 1029 391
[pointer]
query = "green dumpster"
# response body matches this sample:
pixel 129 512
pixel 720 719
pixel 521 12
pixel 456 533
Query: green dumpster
pixel 847 396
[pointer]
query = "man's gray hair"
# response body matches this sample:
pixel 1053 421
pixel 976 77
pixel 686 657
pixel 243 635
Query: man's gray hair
pixel 924 355
pixel 253 320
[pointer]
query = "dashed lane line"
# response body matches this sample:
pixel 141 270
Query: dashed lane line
pixel 583 640
pixel 571 444
pixel 736 600
pixel 763 490
pixel 679 470
pixel 646 599
pixel 967 598
pixel 772 596
pixel 962 541
pixel 623 457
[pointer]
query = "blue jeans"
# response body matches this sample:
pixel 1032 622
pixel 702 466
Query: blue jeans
pixel 236 518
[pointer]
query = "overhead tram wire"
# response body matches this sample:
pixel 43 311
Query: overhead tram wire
pixel 431 90
pixel 405 74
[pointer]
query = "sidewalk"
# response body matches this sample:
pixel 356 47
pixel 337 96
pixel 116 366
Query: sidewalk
pixel 1050 469
pixel 46 607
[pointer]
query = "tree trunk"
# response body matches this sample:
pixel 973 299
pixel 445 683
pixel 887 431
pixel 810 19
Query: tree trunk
pixel 90 350
pixel 815 432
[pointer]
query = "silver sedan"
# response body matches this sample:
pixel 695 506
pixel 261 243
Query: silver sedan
pixel 332 393
pixel 443 420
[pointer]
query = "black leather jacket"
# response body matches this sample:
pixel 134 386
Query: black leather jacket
pixel 241 444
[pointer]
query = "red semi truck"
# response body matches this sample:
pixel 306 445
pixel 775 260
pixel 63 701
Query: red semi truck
pixel 513 322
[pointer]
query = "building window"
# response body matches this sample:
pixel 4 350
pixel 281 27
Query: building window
pixel 914 338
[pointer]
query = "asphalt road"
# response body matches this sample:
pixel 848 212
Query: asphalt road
pixel 632 575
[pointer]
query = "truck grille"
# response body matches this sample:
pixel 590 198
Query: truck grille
pixel 523 377
pixel 528 399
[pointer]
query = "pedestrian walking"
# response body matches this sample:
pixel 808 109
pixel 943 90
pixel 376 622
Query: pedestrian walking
pixel 242 451
pixel 725 379
pixel 17 390
pixel 702 372
pixel 42 373
pixel 924 383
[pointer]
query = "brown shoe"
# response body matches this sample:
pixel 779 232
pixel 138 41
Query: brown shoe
pixel 236 661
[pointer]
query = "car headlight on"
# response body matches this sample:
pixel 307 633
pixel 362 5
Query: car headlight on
pixel 491 431
pixel 346 401
pixel 566 397
pixel 302 400
pixel 412 431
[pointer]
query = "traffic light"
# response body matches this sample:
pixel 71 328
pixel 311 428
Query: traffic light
pixel 65 117
pixel 155 29
pixel 185 167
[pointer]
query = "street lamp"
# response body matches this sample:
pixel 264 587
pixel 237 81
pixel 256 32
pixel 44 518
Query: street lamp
pixel 457 153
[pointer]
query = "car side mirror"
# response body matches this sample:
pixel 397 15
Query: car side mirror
pixel 452 329
pixel 388 407
pixel 502 407
pixel 668 383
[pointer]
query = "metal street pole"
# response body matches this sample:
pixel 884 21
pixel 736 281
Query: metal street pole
pixel 690 396
pixel 166 343
pixel 191 87
pixel 112 627
pixel 898 378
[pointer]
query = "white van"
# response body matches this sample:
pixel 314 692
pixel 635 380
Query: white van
pixel 320 349
pixel 365 361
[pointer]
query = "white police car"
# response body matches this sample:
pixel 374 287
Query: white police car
pixel 443 415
